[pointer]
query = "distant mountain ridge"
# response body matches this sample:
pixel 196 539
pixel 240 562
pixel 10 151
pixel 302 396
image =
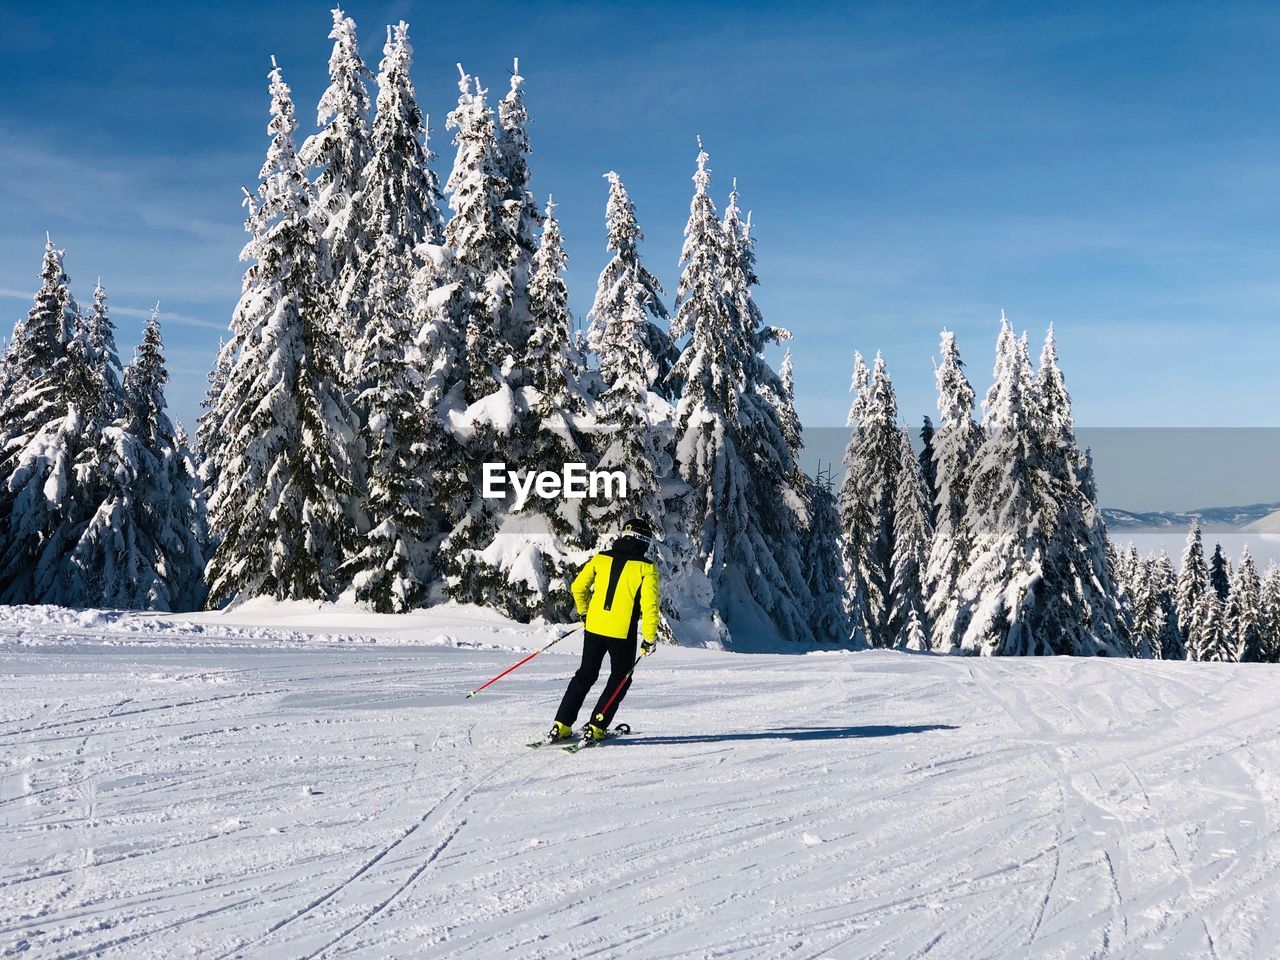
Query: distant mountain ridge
pixel 1254 518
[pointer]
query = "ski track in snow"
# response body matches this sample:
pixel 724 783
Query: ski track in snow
pixel 209 793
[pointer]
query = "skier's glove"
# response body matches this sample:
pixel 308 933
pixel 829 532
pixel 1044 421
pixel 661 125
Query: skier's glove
pixel 647 647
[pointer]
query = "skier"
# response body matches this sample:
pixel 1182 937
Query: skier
pixel 625 595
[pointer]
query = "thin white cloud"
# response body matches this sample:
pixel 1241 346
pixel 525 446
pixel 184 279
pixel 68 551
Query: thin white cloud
pixel 202 228
pixel 166 316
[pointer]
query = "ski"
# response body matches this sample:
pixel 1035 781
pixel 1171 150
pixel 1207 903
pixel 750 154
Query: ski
pixel 544 742
pixel 619 730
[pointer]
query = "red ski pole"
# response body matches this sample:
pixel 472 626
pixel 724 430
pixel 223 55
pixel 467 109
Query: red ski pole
pixel 521 663
pixel 599 717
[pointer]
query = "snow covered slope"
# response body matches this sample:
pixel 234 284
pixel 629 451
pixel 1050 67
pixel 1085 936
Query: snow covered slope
pixel 1268 524
pixel 1256 518
pixel 224 789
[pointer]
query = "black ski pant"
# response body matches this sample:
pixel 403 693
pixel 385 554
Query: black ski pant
pixel 622 654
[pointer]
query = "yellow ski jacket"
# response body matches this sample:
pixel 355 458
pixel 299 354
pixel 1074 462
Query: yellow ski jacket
pixel 626 593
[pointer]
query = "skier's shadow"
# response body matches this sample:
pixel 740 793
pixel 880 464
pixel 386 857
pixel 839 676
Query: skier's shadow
pixel 790 733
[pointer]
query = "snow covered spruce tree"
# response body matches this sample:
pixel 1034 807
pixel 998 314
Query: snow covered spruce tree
pixel 847 502
pixel 792 431
pixel 114 561
pixel 552 366
pixel 954 445
pixel 144 546
pixel 400 196
pixel 634 428
pixel 1124 604
pixel 94 387
pixel 1210 636
pixel 88 518
pixel 341 151
pixel 627 293
pixel 1163 584
pixel 391 570
pixel 1002 516
pixel 1080 601
pixel 1037 581
pixel 829 624
pixel 521 215
pixel 463 301
pixel 107 567
pixel 479 236
pixel 1193 584
pixel 730 449
pixel 1220 573
pixel 823 569
pixel 1270 616
pixel 929 468
pixel 873 461
pixel 634 421
pixel 513 560
pixel 283 507
pixel 912 533
pixel 772 421
pixel 8 365
pixel 41 427
pixel 538 548
pixel 781 392
pixel 1244 611
pixel 393 567
pixel 1149 613
pixel 209 438
pixel 97 355
pixel 1127 568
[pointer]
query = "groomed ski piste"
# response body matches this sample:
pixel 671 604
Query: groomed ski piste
pixel 297 782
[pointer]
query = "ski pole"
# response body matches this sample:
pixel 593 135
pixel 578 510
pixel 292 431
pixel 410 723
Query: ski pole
pixel 521 663
pixel 618 689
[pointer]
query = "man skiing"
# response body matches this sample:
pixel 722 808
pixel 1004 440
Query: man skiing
pixel 616 591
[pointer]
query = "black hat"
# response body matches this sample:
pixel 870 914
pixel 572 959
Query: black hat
pixel 639 527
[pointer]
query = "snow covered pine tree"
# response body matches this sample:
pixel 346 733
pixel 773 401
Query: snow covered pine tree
pixel 823 569
pixel 398 205
pixel 1193 584
pixel 285 493
pixel 955 444
pixel 514 561
pixel 144 546
pixel 41 430
pixel 635 424
pixel 538 548
pixel 99 501
pixel 342 150
pixel 912 531
pixel 730 446
pixel 1037 582
pixel 634 421
pixel 1270 616
pixel 1244 611
pixel 867 497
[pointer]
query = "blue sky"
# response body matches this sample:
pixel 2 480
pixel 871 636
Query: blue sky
pixel 1111 168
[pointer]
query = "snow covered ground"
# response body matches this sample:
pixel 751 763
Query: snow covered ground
pixel 304 783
